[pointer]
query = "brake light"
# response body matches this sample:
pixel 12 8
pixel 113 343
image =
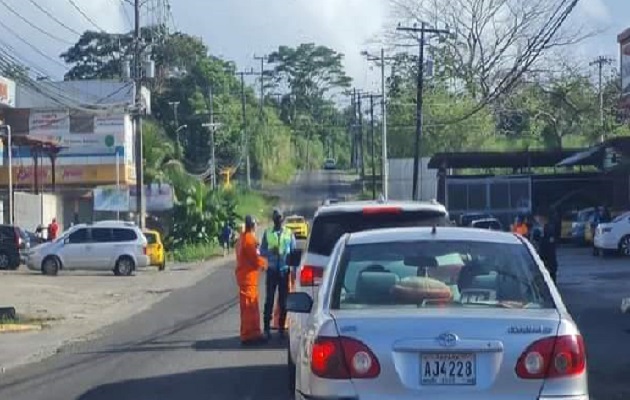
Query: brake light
pixel 343 358
pixel 18 237
pixel 553 357
pixel 381 210
pixel 311 275
pixel 144 250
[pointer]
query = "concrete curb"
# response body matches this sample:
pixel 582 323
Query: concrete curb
pixel 14 328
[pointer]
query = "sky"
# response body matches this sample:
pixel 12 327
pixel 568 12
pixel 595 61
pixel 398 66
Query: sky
pixel 239 29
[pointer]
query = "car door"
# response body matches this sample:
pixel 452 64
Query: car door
pixel 76 251
pixel 102 248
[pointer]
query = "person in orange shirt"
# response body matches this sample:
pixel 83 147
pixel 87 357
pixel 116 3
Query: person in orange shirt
pixel 248 265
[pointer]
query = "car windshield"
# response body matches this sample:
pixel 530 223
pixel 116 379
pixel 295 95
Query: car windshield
pixel 439 273
pixel 328 228
pixel 295 220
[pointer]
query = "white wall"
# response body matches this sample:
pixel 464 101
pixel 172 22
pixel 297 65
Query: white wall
pixel 401 179
pixel 31 210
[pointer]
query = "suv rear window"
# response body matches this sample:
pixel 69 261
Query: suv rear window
pixel 124 235
pixel 151 238
pixel 328 228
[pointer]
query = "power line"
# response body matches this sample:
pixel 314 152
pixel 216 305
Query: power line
pixel 126 12
pixel 29 44
pixel 87 17
pixel 20 16
pixel 51 16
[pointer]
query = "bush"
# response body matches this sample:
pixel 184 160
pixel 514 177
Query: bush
pixel 194 252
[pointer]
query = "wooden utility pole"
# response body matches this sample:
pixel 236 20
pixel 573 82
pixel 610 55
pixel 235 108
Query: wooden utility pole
pixel 248 170
pixel 137 76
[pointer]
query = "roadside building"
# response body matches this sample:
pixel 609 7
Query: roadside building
pixel 69 150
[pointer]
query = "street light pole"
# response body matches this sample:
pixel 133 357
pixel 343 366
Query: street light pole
pixel 423 30
pixel 10 168
pixel 600 62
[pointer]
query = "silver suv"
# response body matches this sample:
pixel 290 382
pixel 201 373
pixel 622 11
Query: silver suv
pixel 103 246
pixel 330 223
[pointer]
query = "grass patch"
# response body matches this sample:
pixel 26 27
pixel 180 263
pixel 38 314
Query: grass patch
pixel 254 203
pixel 194 253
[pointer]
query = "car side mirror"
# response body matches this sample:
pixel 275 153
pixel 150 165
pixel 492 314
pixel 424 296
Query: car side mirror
pixel 299 302
pixel 294 258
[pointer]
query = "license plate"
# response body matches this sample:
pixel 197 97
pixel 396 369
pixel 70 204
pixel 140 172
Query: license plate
pixel 448 369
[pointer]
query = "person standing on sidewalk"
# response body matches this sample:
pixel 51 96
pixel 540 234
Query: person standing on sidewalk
pixel 548 243
pixel 53 230
pixel 277 243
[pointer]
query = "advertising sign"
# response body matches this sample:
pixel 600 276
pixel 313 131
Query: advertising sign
pixel 7 92
pixel 51 124
pixel 110 198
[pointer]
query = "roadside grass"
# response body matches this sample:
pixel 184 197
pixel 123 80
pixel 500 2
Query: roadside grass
pixel 194 253
pixel 255 203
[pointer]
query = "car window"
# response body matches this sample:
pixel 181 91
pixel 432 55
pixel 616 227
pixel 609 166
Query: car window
pixel 439 273
pixel 328 228
pixel 295 220
pixel 101 235
pixel 124 235
pixel 79 236
pixel 151 238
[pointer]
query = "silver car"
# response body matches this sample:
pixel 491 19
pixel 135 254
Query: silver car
pixel 437 313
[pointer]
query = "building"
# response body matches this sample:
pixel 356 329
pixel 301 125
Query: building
pixel 62 146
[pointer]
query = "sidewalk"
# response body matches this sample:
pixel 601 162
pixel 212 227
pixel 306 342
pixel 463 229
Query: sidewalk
pixel 74 306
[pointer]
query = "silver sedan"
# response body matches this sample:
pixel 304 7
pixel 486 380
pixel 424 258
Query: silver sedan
pixel 437 313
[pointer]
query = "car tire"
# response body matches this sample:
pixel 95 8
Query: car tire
pixel 5 260
pixel 124 266
pixel 162 266
pixel 624 246
pixel 51 266
pixel 291 370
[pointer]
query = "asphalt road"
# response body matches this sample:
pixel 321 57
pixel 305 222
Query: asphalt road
pixel 186 347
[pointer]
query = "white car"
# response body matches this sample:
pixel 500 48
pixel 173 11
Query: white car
pixel 613 236
pixel 329 224
pixel 103 246
pixel 437 313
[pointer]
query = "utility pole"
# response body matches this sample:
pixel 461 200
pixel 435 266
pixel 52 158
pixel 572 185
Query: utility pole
pixel 353 130
pixel 248 169
pixel 423 30
pixel 212 129
pixel 262 59
pixel 384 161
pixel 360 138
pixel 600 62
pixel 138 118
pixel 373 147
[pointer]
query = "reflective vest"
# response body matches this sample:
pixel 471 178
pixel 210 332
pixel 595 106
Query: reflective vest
pixel 283 243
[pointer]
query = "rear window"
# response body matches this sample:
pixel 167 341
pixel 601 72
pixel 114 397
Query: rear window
pixel 439 273
pixel 124 235
pixel 328 228
pixel 151 238
pixel 295 220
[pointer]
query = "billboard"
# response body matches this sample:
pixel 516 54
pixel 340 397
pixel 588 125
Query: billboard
pixel 7 92
pixel 158 197
pixel 78 130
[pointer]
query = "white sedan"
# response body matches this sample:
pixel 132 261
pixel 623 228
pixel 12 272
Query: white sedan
pixel 438 313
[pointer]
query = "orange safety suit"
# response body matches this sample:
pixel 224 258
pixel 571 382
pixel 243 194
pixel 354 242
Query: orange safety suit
pixel 521 229
pixel 248 264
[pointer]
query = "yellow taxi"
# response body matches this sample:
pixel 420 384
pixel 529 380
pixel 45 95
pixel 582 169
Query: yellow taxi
pixel 155 249
pixel 298 225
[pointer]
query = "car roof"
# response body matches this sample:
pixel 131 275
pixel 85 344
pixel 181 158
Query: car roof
pixel 492 219
pixel 295 216
pixel 106 224
pixel 426 233
pixel 356 206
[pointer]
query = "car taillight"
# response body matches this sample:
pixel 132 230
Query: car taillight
pixel 144 250
pixel 311 275
pixel 553 357
pixel 18 238
pixel 381 210
pixel 343 358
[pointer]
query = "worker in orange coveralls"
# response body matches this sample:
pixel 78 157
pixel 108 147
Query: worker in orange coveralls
pixel 248 265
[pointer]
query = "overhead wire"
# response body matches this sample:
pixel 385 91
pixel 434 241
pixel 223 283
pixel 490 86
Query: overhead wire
pixel 51 16
pixel 32 25
pixel 85 16
pixel 29 44
pixel 123 5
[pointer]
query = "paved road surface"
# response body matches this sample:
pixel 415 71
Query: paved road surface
pixel 186 346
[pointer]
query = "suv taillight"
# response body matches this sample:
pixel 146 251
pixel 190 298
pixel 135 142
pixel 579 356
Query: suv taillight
pixel 553 357
pixel 343 358
pixel 18 237
pixel 144 250
pixel 311 275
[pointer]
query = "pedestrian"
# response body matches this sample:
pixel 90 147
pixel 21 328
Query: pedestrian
pixel 226 238
pixel 248 264
pixel 277 243
pixel 548 244
pixel 520 226
pixel 53 230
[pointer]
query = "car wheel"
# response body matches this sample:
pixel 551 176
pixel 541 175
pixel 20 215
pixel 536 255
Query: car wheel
pixel 124 266
pixel 51 266
pixel 291 370
pixel 624 246
pixel 162 266
pixel 5 260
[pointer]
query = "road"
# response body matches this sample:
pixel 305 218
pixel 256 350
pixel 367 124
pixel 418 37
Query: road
pixel 186 347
